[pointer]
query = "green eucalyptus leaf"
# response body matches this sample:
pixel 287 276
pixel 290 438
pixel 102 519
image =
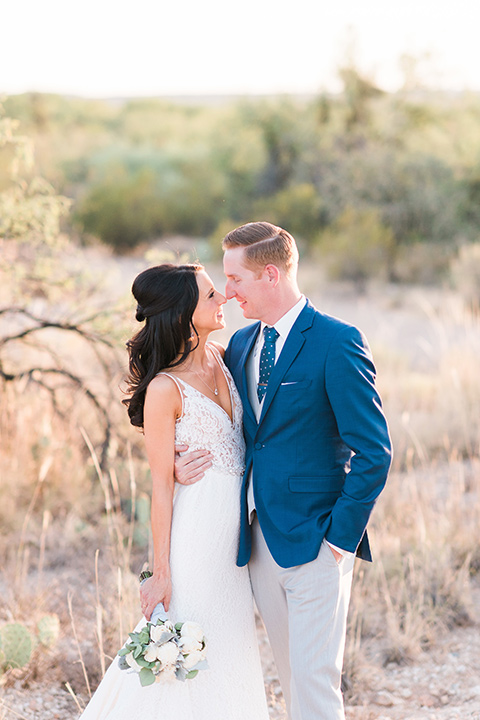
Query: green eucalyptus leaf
pixel 146 677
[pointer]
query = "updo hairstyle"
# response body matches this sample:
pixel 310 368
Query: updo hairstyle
pixel 166 296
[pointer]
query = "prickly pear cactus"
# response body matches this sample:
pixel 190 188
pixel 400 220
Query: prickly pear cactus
pixel 16 645
pixel 48 629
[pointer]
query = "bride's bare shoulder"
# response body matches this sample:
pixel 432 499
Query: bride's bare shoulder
pixel 163 388
pixel 219 347
pixel 162 382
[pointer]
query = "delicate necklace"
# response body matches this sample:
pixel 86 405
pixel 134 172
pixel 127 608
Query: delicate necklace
pixel 213 390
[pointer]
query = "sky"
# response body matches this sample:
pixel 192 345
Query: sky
pixel 115 48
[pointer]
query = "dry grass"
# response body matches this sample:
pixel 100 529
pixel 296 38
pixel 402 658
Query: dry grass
pixel 74 536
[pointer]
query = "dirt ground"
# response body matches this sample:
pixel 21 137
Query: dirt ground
pixel 442 684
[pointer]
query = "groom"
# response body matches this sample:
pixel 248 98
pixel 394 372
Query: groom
pixel 317 457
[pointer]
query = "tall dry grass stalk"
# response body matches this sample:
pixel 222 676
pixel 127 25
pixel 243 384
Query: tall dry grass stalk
pixel 78 645
pixel 74 697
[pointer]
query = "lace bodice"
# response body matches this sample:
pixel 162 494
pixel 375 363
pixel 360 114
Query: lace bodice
pixel 205 425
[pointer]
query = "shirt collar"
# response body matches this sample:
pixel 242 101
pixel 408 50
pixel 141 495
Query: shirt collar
pixel 287 321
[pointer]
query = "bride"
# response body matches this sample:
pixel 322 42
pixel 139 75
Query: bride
pixel 182 393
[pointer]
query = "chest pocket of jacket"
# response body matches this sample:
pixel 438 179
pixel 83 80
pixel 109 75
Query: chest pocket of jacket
pixel 295 384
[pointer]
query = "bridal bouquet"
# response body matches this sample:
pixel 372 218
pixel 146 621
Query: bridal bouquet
pixel 162 650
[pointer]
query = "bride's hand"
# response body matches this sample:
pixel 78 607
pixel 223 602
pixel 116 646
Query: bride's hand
pixel 191 468
pixel 155 589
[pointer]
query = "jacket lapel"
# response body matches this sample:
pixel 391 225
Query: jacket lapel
pixel 292 347
pixel 242 374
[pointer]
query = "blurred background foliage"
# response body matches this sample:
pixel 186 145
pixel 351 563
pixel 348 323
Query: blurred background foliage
pixel 374 184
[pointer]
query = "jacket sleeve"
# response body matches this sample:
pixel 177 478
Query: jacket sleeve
pixel 356 404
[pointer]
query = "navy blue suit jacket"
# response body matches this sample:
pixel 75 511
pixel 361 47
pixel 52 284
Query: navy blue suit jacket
pixel 321 450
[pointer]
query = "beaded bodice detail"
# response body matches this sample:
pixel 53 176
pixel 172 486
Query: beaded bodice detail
pixel 205 425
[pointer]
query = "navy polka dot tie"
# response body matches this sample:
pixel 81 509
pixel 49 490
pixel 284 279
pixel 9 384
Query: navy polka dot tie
pixel 267 360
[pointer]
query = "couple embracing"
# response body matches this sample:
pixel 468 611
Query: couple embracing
pixel 282 451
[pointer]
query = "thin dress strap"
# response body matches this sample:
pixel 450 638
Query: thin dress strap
pixel 223 367
pixel 177 382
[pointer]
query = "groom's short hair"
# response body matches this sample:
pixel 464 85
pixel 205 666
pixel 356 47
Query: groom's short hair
pixel 264 243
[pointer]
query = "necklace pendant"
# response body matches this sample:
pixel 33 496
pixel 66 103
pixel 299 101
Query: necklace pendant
pixel 216 391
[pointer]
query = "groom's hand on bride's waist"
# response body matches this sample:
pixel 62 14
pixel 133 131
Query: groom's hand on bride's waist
pixel 191 467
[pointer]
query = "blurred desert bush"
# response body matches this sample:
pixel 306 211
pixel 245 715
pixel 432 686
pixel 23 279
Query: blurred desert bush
pixel 348 176
pixel 357 247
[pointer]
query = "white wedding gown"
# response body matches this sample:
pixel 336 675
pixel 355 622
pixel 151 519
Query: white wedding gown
pixel 207 586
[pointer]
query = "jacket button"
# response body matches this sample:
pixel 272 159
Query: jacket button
pixel 258 446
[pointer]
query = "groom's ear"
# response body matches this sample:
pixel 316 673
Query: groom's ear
pixel 273 274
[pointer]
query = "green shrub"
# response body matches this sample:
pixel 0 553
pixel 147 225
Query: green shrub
pixel 136 197
pixel 121 210
pixel 299 209
pixel 357 247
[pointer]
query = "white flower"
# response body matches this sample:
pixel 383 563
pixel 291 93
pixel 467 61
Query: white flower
pixel 192 659
pixel 167 626
pixel 189 644
pixel 132 662
pixel 150 654
pixel 167 673
pixel 193 630
pixel 156 631
pixel 168 653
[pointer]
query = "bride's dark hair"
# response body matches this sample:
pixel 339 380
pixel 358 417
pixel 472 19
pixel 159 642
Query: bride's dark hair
pixel 167 296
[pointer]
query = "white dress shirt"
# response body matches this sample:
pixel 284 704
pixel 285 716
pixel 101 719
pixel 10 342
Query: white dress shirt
pixel 283 327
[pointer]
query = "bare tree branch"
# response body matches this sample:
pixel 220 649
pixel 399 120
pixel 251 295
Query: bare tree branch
pixel 43 324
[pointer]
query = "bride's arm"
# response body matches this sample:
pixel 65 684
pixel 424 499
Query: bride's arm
pixel 162 407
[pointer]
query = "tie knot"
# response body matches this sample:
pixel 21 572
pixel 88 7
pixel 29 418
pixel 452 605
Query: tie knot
pixel 270 334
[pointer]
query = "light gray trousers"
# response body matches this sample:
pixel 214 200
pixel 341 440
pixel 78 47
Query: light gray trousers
pixel 304 610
